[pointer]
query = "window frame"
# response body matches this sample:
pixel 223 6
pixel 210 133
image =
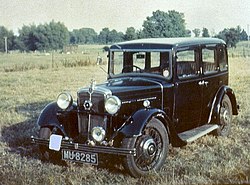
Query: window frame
pixel 196 62
pixel 224 48
pixel 209 64
pixel 147 66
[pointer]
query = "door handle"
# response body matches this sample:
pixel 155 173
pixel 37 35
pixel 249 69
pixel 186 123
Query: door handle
pixel 203 83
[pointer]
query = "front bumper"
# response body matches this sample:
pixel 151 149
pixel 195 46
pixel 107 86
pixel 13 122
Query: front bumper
pixel 86 148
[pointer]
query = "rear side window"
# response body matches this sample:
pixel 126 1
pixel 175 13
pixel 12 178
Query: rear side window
pixel 209 60
pixel 222 58
pixel 187 64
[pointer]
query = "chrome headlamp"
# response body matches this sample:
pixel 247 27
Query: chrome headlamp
pixel 64 100
pixel 112 104
pixel 98 134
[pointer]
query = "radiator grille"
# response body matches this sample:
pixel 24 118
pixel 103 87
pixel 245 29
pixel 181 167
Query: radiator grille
pixel 88 118
pixel 92 121
pixel 97 100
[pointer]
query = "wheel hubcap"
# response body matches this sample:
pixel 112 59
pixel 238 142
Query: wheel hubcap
pixel 225 116
pixel 149 147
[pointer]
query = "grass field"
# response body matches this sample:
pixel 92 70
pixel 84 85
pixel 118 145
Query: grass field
pixel 26 90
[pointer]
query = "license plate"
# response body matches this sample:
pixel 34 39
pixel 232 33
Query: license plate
pixel 80 156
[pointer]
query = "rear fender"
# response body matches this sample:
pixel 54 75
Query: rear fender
pixel 137 122
pixel 216 105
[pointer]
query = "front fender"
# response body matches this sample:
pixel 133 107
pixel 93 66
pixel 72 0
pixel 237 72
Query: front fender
pixel 137 122
pixel 49 117
pixel 215 109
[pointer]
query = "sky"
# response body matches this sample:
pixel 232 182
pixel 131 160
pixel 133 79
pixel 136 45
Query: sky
pixel 121 14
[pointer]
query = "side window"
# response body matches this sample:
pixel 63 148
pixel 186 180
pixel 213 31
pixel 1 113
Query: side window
pixel 187 64
pixel 222 58
pixel 209 60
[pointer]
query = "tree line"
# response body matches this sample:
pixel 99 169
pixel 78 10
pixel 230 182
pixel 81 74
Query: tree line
pixel 55 35
pixel 230 35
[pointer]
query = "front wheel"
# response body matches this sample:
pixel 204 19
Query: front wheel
pixel 151 149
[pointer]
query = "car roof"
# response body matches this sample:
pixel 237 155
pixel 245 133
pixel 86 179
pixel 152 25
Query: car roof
pixel 164 43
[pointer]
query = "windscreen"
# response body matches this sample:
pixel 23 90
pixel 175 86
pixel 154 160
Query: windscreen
pixel 157 62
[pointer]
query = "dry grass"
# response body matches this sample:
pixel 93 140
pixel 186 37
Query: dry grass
pixel 209 160
pixel 85 56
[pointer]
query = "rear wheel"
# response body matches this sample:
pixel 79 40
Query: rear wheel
pixel 151 149
pixel 225 117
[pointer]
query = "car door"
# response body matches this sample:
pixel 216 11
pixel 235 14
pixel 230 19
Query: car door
pixel 213 76
pixel 188 89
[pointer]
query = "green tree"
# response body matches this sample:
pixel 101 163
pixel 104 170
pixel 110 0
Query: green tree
pixel 90 35
pixel 130 34
pixel 188 33
pixel 205 32
pixel 76 37
pixel 83 36
pixel 106 36
pixel 59 35
pixel 140 34
pixel 103 36
pixel 231 36
pixel 115 36
pixel 73 37
pixel 165 24
pixel 26 40
pixel 50 36
pixel 243 35
pixel 42 34
pixel 196 32
pixel 4 32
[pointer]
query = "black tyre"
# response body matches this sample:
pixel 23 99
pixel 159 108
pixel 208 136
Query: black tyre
pixel 225 117
pixel 47 154
pixel 151 149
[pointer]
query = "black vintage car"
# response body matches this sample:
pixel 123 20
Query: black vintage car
pixel 158 92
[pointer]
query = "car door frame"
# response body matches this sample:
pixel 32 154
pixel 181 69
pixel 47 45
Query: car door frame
pixel 212 82
pixel 188 94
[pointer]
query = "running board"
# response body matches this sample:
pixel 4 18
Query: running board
pixel 196 133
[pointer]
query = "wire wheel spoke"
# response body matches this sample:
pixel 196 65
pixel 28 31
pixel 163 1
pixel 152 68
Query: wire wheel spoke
pixel 144 160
